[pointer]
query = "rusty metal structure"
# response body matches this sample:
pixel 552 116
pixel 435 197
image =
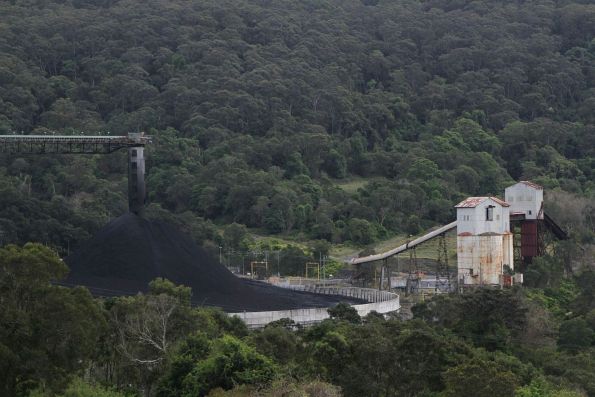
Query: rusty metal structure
pixel 414 275
pixel 259 269
pixel 533 229
pixel 50 143
pixel 312 266
pixel 443 281
pixel 493 237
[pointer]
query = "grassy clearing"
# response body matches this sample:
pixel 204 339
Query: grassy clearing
pixel 428 249
pixel 351 185
pixel 277 243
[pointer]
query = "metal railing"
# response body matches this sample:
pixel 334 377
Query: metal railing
pixel 70 144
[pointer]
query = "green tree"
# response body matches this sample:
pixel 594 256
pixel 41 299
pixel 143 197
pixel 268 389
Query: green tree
pixel 423 169
pixel 194 348
pixel 78 388
pixel 492 319
pixel 540 387
pixel 360 231
pixel 48 331
pixel 575 334
pixel 229 362
pixel 234 235
pixel 277 342
pixel 146 329
pixel 479 378
pixel 343 311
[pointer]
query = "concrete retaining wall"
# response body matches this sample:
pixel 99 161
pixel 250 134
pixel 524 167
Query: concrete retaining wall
pixel 380 301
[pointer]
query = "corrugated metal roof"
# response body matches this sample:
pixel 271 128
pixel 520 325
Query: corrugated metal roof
pixel 472 202
pixel 531 184
pixel 501 202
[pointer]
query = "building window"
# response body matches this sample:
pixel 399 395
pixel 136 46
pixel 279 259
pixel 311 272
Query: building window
pixel 133 166
pixel 490 213
pixel 133 152
pixel 529 212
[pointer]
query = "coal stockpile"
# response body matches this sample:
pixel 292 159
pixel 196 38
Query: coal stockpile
pixel 124 256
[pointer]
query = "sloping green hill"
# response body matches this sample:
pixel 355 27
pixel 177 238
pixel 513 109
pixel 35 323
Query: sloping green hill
pixel 260 109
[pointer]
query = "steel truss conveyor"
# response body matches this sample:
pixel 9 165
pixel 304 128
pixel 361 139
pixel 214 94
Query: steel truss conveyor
pixel 406 246
pixel 134 142
pixel 69 144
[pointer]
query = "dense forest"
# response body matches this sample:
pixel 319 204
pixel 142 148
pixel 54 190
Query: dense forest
pixel 260 111
pixel 318 122
pixel 521 342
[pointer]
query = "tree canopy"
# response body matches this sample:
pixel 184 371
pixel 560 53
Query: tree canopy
pixel 259 111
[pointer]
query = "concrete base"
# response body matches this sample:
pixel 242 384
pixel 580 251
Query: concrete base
pixel 381 301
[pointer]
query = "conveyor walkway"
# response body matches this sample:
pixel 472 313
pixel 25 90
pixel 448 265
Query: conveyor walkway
pixel 406 246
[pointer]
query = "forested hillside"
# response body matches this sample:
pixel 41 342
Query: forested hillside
pixel 259 109
pixel 314 122
pixel 519 342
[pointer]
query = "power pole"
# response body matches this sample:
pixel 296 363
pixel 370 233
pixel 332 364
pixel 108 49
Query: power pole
pixel 320 265
pixel 324 258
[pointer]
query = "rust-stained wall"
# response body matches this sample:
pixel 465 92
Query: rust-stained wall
pixel 484 246
pixel 482 259
pixel 508 250
pixel 529 240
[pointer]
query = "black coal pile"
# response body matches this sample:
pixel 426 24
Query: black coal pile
pixel 123 257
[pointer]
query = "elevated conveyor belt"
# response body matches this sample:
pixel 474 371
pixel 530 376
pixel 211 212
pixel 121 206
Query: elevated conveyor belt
pixel 134 142
pixel 70 144
pixel 405 247
pixel 554 227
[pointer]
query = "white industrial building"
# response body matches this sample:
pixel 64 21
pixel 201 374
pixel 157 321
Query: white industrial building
pixel 525 198
pixel 484 242
pixel 485 236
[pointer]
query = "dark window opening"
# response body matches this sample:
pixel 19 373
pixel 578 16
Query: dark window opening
pixel 490 213
pixel 133 166
pixel 133 152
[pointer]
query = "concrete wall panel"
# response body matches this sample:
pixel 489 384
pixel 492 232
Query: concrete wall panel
pixel 380 301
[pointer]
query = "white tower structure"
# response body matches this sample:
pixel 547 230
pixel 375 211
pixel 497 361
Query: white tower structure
pixel 525 198
pixel 484 242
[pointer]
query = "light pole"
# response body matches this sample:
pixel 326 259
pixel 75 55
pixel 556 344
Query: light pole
pixel 220 247
pixel 324 258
